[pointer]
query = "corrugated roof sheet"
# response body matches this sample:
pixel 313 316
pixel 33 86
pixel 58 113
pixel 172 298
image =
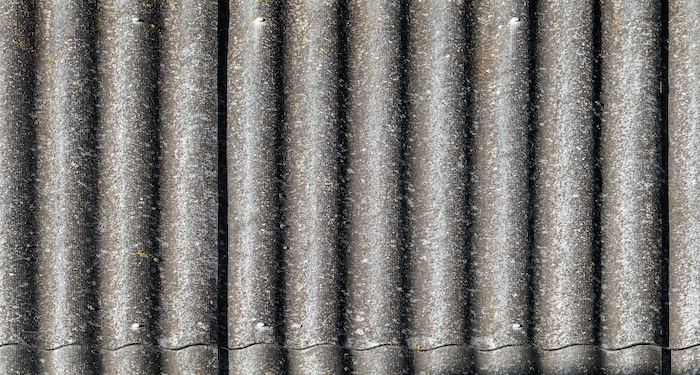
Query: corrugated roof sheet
pixel 349 187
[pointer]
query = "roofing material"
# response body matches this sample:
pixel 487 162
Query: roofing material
pixel 437 187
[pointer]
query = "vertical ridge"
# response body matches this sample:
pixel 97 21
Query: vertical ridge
pixel 631 176
pixel 500 245
pixel 311 254
pixel 66 173
pixel 70 360
pixel 374 132
pixel 188 177
pixel 564 201
pixel 253 215
pixel 683 178
pixel 134 359
pixel 128 126
pixel 436 152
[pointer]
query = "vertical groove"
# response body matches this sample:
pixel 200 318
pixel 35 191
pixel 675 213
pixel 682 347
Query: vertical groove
pixel 311 128
pixel 254 120
pixel 127 146
pixel 17 174
pixel 188 176
pixel 374 134
pixel 631 176
pixel 683 178
pixel 222 181
pixel 500 243
pixel 436 147
pixel 66 180
pixel 597 171
pixel 564 190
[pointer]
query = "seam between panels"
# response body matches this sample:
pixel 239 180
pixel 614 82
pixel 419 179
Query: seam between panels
pixel 404 347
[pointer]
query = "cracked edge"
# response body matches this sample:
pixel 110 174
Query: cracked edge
pixel 342 347
pixel 322 358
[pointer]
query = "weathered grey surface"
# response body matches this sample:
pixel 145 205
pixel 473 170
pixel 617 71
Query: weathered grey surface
pixel 127 136
pixel 18 360
pixel 631 172
pixel 197 359
pixel 310 176
pixel 188 195
pixel 390 360
pixel 684 176
pixel 134 359
pixel 570 360
pixel 641 360
pixel 447 360
pixel 409 190
pixel 436 174
pixel 69 360
pixel 564 176
pixel 513 360
pixel 257 359
pixel 66 161
pixel 374 135
pixel 317 360
pixel 500 246
pixel 254 128
pixel 685 361
pixel 17 174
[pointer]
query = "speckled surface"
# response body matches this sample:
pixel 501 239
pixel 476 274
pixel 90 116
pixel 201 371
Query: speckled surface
pixel 254 226
pixel 684 176
pixel 435 176
pixel 499 175
pixel 310 178
pixel 564 279
pixel 127 162
pixel 348 187
pixel 631 248
pixel 374 135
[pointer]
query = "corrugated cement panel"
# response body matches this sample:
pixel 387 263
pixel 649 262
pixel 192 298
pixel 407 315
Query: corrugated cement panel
pixel 349 187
